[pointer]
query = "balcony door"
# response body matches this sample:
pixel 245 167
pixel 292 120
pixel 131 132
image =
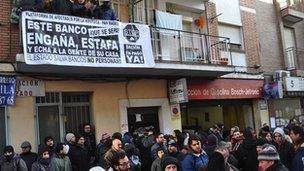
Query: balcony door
pixel 290 45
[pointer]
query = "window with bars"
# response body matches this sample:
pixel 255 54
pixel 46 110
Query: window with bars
pixel 61 112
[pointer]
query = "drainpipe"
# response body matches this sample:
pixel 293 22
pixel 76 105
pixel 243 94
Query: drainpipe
pixel 206 15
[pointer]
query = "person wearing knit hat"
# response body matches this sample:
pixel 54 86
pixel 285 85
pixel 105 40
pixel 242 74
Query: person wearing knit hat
pixel 11 160
pixel 284 147
pixel 26 154
pixel 70 138
pixel 169 163
pixel 173 150
pixel 269 159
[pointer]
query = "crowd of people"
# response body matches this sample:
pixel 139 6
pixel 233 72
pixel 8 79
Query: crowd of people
pixel 80 8
pixel 281 149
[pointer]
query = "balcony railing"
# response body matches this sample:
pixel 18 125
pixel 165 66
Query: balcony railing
pixel 294 58
pixel 188 47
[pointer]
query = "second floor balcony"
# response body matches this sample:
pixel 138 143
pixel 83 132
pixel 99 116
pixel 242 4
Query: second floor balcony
pixel 176 53
pixel 292 11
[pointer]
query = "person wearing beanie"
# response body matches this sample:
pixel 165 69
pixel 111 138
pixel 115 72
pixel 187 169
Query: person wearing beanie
pixel 60 161
pixel 79 156
pixel 212 142
pixel 269 159
pixel 173 151
pixel 284 147
pixel 43 161
pixel 297 136
pixel 169 163
pixel 102 149
pixel 26 154
pixel 70 138
pixel 11 160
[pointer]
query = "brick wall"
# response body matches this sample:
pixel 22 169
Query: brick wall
pixel 9 34
pixel 272 57
pixel 212 25
pixel 250 35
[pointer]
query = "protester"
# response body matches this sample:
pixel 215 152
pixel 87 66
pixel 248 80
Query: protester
pixel 80 159
pixel 225 153
pixel 90 141
pixel 11 160
pixel 212 142
pixel 28 157
pixel 121 161
pixel 173 151
pixel 60 161
pixel 108 157
pixel 49 6
pixel 156 165
pixel 105 12
pixel 232 131
pixel 216 162
pixel 247 153
pixel 43 161
pixel 159 143
pixel 297 136
pixel 49 144
pixel 260 143
pixel 197 158
pixel 133 155
pixel 169 163
pixel 31 5
pixel 216 130
pixel 269 159
pixel 284 147
pixel 103 146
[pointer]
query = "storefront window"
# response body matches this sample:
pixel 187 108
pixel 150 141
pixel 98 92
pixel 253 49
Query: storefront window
pixel 2 129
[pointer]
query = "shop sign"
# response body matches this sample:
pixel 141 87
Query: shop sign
pixel 273 90
pixel 30 87
pixel 7 90
pixel 226 89
pixel 178 91
pixel 74 41
pixel 294 83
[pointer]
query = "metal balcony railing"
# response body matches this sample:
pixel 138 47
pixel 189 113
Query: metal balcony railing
pixel 171 45
pixel 294 58
pixel 293 4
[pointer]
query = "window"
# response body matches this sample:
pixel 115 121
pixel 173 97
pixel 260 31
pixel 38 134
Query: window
pixel 141 15
pixel 59 113
pixel 234 33
pixel 2 129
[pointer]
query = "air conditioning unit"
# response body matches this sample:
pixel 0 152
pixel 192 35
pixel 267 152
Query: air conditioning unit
pixel 280 74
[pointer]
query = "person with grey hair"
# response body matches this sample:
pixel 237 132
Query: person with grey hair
pixel 284 147
pixel 269 159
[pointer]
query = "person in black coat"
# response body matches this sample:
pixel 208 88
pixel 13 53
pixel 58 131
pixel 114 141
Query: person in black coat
pixel 28 156
pixel 90 141
pixel 212 142
pixel 79 156
pixel 31 5
pixel 247 153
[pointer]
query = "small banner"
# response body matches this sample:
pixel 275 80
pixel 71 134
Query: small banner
pixel 74 41
pixel 7 90
pixel 30 87
pixel 178 92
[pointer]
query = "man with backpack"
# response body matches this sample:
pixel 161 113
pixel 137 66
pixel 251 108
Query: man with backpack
pixel 12 161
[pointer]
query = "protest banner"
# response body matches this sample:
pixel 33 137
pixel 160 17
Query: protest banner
pixel 74 41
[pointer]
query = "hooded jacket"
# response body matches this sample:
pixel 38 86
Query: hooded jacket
pixel 285 150
pixel 15 164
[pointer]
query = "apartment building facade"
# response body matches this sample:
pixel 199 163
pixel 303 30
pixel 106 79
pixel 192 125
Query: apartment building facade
pixel 214 47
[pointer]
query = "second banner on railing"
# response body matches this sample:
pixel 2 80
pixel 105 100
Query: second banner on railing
pixel 74 41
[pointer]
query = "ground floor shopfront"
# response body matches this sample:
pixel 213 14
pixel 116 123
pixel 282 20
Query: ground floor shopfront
pixel 232 102
pixel 109 106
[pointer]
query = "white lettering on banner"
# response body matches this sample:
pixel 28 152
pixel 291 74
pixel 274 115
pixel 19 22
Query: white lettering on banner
pixel 223 92
pixel 74 41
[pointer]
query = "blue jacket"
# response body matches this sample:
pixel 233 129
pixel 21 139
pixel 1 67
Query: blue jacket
pixel 194 163
pixel 298 159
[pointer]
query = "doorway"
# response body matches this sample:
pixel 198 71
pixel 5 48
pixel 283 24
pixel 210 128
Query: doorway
pixel 141 117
